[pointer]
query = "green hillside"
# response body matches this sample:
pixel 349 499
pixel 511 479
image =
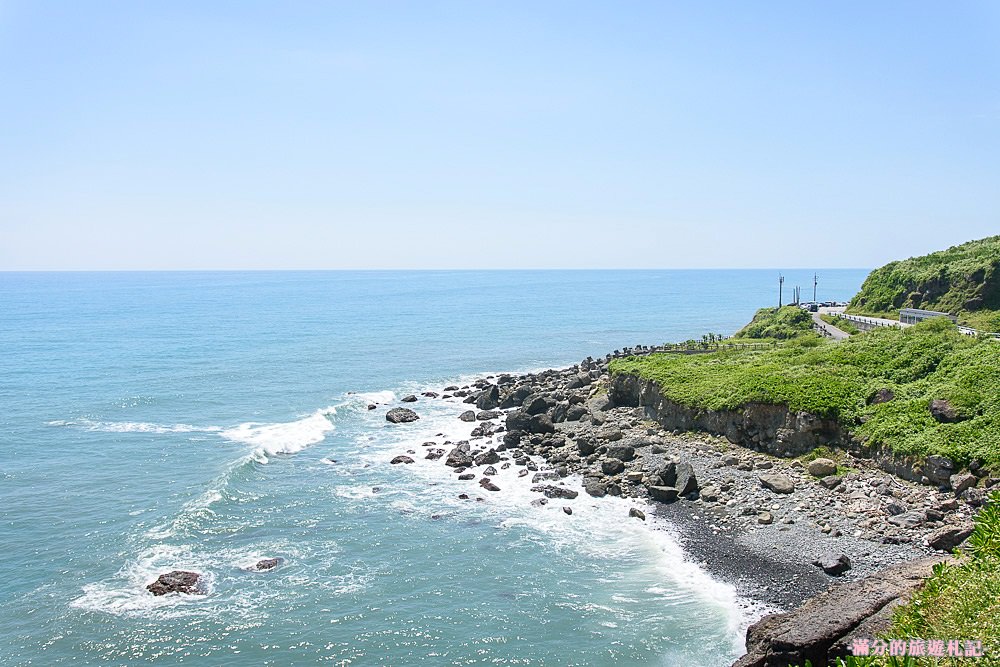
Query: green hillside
pixel 779 323
pixel 963 280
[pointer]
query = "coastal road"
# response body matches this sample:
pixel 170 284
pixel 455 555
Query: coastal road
pixel 831 330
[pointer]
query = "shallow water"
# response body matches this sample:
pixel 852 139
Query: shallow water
pixel 206 420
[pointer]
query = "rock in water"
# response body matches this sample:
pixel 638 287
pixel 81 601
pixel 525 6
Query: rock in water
pixel 178 581
pixel 402 458
pixel 268 564
pixel 833 564
pixel 568 510
pixel 488 485
pixel 410 399
pixel 637 513
pixel 777 483
pixel 401 416
pixel 822 467
pixel 468 416
pixel 489 399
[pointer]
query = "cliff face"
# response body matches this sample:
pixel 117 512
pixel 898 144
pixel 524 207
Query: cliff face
pixel 962 280
pixel 773 429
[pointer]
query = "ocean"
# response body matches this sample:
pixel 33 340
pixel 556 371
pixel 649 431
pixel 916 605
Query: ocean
pixel 206 420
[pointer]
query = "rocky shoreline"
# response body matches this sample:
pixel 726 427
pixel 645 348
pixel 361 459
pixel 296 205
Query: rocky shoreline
pixel 780 529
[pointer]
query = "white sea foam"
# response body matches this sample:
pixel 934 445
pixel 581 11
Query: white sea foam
pixel 133 427
pixel 283 437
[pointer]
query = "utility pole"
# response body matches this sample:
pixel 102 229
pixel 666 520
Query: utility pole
pixel 815 280
pixel 781 286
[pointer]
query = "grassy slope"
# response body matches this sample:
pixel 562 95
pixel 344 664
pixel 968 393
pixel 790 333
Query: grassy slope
pixel 777 323
pixel 928 361
pixel 844 325
pixel 963 280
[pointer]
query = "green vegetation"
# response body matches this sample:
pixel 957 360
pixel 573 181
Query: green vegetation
pixel 928 361
pixel 844 325
pixel 961 601
pixel 778 323
pixel 963 280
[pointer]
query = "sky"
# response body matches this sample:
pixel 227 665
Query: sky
pixel 467 134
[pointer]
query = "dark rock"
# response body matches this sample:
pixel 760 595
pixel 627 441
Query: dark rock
pixel 401 459
pixel 833 564
pixel 490 471
pixel 686 482
pixel 944 412
pixel 489 399
pixel 585 446
pixel 594 487
pixel 467 476
pixel 567 510
pixel 777 483
pixel 518 420
pixel 537 404
pixel 610 434
pixel 463 496
pixel 459 457
pixel 894 508
pixel 621 452
pixel 451 388
pixel 949 537
pixel 178 581
pixel 553 491
pixel 612 466
pixel 268 564
pixel 666 475
pixel 539 502
pixel 830 482
pixel 488 485
pixel 637 513
pixel 401 416
pixel 938 469
pixel 488 457
pixel 575 413
pixel 512 438
pixel 881 396
pixel 410 399
pixel 484 430
pixel 541 424
pixel 962 481
pixel 372 406
pixel 429 394
pixel 665 494
pixel 515 398
pixel 468 416
pixel 487 414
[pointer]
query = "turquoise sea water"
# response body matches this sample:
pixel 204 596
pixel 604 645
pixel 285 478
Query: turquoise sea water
pixel 154 421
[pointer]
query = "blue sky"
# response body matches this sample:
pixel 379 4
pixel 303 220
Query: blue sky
pixel 232 135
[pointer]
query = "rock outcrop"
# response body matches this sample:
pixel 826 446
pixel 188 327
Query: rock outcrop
pixel 178 581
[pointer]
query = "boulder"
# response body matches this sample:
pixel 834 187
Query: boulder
pixel 553 491
pixel 585 446
pixel 664 494
pixel 468 416
pixel 944 412
pixel 410 399
pixel 949 537
pixel 541 424
pixel 910 519
pixel 488 457
pixel 822 467
pixel 489 399
pixel 830 482
pixel 178 581
pixel 567 510
pixel 612 466
pixel 621 452
pixel 575 413
pixel 488 485
pixel 686 482
pixel 519 420
pixel 401 416
pixel 485 429
pixel 467 477
pixel 834 564
pixel 666 475
pixel 938 469
pixel 777 483
pixel 459 457
pixel 595 487
pixel 537 404
pixel 515 398
pixel 434 454
pixel 487 414
pixel 811 631
pixel 268 564
pixel 402 458
pixel 637 513
pixel 962 481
